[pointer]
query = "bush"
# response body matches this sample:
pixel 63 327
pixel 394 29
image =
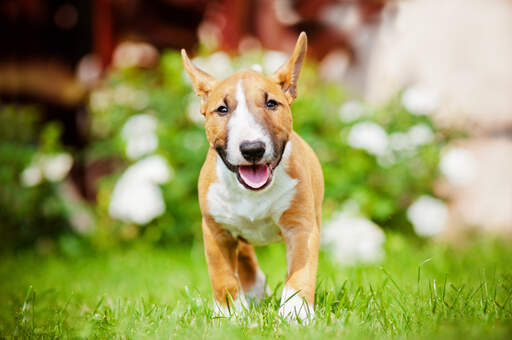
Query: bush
pixel 31 205
pixel 145 124
pixel 378 159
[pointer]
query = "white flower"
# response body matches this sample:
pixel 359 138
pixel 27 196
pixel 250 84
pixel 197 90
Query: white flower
pixel 420 134
pixel 399 141
pixel 459 166
pixel 217 64
pixel 31 176
pixel 350 111
pixel 370 137
pixel 272 60
pixel 100 100
pixel 129 96
pixel 52 167
pixel 123 95
pixel 139 134
pixel 334 65
pixel 353 239
pixel 56 167
pixel 420 100
pixel 428 215
pixel 136 197
pixel 131 54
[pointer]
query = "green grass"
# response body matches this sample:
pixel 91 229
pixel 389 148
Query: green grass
pixel 418 291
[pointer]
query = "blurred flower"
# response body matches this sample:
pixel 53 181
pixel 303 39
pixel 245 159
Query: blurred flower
pixel 351 111
pixel 428 215
pixel 82 222
pixel 334 66
pixel 399 141
pixel 134 54
pixel 420 100
pixel 285 13
pixel 100 100
pixel 127 95
pixel 345 17
pixel 136 197
pixel 353 239
pixel 31 176
pixel 56 167
pixel 370 137
pixel 209 34
pixel 88 71
pixel 387 159
pixel 420 134
pixel 217 64
pixel 459 166
pixel 52 167
pixel 272 60
pixel 139 134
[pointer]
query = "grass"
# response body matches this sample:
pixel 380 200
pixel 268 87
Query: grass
pixel 418 291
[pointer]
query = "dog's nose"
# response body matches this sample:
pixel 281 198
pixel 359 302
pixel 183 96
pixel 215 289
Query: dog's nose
pixel 252 151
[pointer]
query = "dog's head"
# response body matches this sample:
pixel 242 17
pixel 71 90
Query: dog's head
pixel 248 117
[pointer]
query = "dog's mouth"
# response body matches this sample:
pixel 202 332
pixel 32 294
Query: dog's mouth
pixel 256 176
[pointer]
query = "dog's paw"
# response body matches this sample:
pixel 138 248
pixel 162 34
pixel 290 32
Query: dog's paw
pixel 294 307
pixel 234 307
pixel 259 289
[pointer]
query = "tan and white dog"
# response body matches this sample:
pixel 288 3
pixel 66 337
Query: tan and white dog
pixel 260 183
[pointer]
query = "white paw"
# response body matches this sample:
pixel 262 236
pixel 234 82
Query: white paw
pixel 259 289
pixel 295 307
pixel 236 306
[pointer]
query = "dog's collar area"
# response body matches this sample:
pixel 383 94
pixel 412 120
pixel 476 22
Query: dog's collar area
pixel 235 169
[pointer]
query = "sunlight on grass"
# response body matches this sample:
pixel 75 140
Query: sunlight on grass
pixel 419 291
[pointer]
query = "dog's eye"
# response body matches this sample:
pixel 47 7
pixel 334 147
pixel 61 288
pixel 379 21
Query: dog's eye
pixel 271 104
pixel 222 109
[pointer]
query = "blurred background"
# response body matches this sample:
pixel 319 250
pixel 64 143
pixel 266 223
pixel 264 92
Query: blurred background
pixel 408 105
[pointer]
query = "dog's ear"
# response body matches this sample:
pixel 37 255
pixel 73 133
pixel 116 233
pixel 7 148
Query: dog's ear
pixel 287 75
pixel 202 82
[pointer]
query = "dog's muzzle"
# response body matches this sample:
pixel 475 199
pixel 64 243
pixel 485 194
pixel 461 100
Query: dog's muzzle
pixel 257 175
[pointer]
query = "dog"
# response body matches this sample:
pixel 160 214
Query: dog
pixel 261 183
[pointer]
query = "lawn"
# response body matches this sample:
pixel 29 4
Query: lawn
pixel 420 290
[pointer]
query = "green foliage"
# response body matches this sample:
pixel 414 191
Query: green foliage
pixel 419 292
pixel 180 141
pixel 27 213
pixel 382 186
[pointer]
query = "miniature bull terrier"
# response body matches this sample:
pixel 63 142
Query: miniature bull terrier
pixel 260 183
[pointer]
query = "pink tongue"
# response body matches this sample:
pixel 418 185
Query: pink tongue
pixel 254 176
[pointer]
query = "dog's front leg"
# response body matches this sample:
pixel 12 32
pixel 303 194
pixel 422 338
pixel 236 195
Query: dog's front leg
pixel 302 244
pixel 221 257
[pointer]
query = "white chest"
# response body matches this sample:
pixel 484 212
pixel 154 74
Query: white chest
pixel 252 215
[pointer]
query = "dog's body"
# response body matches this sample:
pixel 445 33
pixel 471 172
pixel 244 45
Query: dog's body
pixel 260 183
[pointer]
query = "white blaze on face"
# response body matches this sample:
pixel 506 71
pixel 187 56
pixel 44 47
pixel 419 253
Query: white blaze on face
pixel 242 127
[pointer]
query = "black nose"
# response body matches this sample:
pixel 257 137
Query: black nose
pixel 252 151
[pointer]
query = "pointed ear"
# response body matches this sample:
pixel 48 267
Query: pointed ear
pixel 202 82
pixel 287 76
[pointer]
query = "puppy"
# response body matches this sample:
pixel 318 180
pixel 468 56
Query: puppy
pixel 260 183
